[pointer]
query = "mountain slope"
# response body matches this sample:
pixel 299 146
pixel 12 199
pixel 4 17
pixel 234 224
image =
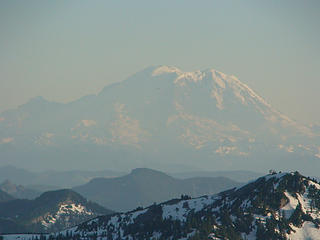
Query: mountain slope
pixel 4 196
pixel 52 211
pixel 145 186
pixel 18 191
pixel 277 206
pixel 160 117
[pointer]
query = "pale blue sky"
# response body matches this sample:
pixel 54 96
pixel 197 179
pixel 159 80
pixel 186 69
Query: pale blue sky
pixel 63 50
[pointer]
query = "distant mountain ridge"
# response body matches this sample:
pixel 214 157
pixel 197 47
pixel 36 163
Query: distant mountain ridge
pixel 239 176
pixel 50 179
pixel 142 187
pixel 159 118
pixel 18 191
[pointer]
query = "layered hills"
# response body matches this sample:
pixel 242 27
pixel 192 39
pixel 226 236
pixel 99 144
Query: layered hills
pixel 143 187
pixel 275 206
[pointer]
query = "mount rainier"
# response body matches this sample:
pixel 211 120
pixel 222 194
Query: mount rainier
pixel 157 118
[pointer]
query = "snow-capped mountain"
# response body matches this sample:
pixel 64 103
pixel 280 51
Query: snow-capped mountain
pixel 157 117
pixel 52 211
pixel 276 206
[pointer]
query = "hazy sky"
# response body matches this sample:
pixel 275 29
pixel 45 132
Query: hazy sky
pixel 63 50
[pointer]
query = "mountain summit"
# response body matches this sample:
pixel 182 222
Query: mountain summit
pixel 158 117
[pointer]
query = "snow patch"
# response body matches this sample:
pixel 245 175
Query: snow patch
pixel 277 175
pixel 289 208
pixel 307 231
pixel 165 70
pixel 64 210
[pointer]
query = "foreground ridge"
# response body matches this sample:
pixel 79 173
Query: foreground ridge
pixel 276 206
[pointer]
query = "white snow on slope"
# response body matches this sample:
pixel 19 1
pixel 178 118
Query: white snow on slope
pixel 308 231
pixel 165 69
pixel 180 210
pixel 64 209
pixel 289 208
